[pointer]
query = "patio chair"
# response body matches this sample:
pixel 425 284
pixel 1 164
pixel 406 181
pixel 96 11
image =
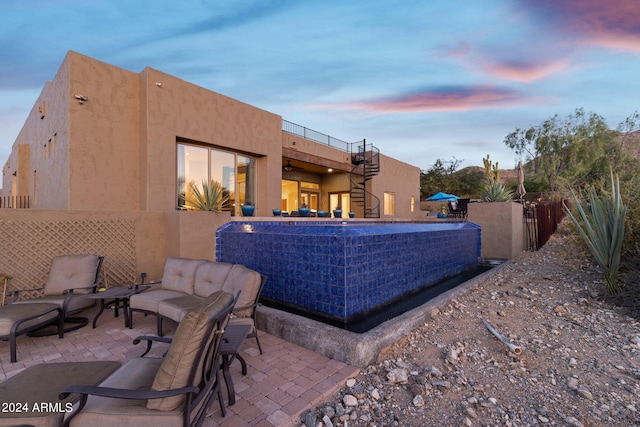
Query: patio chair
pixel 175 390
pixel 71 277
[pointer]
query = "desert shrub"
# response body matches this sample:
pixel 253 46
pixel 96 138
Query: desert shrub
pixel 600 222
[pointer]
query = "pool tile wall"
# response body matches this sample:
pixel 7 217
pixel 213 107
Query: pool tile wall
pixel 344 270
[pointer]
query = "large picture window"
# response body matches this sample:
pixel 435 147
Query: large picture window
pixel 234 172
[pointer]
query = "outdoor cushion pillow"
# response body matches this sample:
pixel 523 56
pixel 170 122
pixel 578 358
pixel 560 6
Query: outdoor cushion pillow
pixel 71 271
pixel 176 367
pixel 247 282
pixel 210 277
pixel 179 274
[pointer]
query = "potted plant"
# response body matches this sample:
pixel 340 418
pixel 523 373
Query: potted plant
pixel 212 197
pixel 247 208
pixel 337 212
pixel 352 214
pixel 277 212
pixel 303 210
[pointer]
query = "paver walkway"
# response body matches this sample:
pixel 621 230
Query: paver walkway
pixel 281 384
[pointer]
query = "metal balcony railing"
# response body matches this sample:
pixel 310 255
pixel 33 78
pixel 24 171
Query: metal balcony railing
pixel 316 136
pixel 14 202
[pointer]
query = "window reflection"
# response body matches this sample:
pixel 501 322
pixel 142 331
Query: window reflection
pixel 236 173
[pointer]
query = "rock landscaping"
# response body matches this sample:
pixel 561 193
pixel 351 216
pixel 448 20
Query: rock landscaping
pixel 579 363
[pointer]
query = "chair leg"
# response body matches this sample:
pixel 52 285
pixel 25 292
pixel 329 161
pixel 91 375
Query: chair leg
pixel 159 325
pixel 255 334
pixel 223 409
pixel 60 325
pixel 12 347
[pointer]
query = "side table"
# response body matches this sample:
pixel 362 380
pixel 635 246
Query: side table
pixel 232 339
pixel 120 296
pixel 31 396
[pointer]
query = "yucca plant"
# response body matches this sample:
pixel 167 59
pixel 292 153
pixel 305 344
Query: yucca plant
pixel 211 198
pixel 600 221
pixel 496 192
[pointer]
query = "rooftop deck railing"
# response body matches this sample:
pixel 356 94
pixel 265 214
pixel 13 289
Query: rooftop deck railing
pixel 315 136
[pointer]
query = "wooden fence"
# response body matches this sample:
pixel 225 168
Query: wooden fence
pixel 541 220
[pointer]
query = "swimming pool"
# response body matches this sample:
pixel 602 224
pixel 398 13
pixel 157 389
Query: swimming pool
pixel 341 270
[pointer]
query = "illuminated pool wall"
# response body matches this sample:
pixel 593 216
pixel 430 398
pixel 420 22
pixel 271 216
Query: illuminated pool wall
pixel 341 271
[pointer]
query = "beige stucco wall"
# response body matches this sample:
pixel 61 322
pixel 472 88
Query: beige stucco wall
pixel 39 156
pixel 303 145
pixel 103 153
pixel 193 233
pixel 178 109
pixel 503 230
pixel 403 180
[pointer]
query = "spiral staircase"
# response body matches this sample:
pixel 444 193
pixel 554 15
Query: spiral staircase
pixel 366 161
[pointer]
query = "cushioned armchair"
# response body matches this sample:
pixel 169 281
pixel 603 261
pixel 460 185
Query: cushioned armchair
pixel 70 278
pixel 176 390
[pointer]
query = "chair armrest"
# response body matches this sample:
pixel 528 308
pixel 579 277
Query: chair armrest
pixel 150 340
pixel 84 392
pixel 244 307
pixel 15 294
pixel 91 287
pixel 121 393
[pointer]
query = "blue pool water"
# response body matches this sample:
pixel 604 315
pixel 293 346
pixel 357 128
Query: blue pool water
pixel 341 271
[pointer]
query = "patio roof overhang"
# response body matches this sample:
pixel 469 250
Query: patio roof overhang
pixel 314 164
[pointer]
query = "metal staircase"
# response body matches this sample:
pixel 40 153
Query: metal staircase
pixel 366 161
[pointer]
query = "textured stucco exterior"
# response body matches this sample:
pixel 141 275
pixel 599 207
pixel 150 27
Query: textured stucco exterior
pixel 103 138
pixel 503 230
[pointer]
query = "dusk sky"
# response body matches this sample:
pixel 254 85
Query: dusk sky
pixel 437 79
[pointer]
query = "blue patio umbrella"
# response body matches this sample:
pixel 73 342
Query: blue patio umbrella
pixel 442 197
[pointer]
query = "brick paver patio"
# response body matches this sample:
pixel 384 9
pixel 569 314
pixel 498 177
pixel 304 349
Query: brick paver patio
pixel 281 384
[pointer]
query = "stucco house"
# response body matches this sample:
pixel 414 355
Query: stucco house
pixel 103 138
pixel 113 146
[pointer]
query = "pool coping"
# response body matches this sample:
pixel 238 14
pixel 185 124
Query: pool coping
pixel 350 347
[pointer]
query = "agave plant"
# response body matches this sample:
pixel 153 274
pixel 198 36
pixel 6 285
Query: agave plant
pixel 600 221
pixel 496 192
pixel 211 198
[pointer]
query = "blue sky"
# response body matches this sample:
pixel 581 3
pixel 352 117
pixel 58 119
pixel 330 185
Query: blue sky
pixel 437 79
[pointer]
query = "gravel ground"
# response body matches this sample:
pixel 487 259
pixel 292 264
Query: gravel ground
pixel 579 363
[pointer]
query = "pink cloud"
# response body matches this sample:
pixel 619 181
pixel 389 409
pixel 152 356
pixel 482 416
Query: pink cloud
pixel 613 24
pixel 445 99
pixel 523 71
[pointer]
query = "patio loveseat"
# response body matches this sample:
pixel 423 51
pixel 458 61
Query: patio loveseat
pixel 186 282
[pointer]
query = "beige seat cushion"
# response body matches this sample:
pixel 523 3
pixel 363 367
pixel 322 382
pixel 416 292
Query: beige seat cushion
pixel 76 303
pixel 71 271
pixel 179 274
pixel 210 277
pixel 247 282
pixel 136 374
pixel 177 308
pixel 11 314
pixel 176 368
pixel 149 300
